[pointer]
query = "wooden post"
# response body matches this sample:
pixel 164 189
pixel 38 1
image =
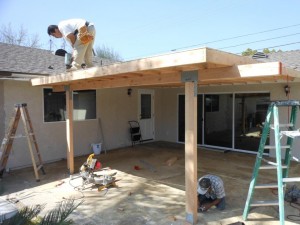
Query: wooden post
pixel 69 128
pixel 191 151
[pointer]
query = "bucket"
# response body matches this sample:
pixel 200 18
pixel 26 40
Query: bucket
pixel 96 148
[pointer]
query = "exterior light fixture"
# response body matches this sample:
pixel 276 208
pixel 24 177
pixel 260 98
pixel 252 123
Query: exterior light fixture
pixel 129 91
pixel 287 89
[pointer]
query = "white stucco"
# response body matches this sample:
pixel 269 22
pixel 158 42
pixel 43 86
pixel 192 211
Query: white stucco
pixel 114 109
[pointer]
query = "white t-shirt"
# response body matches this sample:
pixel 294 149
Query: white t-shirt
pixel 67 27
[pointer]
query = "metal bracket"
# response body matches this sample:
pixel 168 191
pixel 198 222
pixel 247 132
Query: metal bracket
pixel 67 87
pixel 189 218
pixel 191 76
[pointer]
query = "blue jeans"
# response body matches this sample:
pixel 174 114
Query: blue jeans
pixel 203 199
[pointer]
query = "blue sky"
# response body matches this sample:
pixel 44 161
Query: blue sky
pixel 140 28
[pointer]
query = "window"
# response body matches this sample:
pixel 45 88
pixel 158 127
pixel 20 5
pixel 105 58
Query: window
pixel 146 106
pixel 212 103
pixel 84 103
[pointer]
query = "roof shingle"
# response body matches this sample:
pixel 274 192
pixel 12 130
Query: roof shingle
pixel 26 60
pixel 290 59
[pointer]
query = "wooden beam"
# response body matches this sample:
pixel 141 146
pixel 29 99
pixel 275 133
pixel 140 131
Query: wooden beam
pixel 227 59
pixel 152 63
pixel 269 79
pixel 69 129
pixel 237 73
pixel 185 60
pixel 240 73
pixel 130 82
pixel 191 153
pixel 260 69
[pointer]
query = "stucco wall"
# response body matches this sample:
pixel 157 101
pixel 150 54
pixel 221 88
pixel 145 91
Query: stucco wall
pixel 168 127
pixel 51 137
pixel 114 109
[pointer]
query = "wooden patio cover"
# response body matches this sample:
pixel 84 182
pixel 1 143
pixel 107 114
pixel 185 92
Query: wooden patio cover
pixel 192 68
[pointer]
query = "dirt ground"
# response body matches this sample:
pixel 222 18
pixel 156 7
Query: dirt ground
pixel 152 195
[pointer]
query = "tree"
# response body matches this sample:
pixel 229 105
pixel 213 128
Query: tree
pixel 105 52
pixel 249 51
pixel 20 37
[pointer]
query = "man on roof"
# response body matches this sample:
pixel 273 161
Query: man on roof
pixel 211 193
pixel 81 35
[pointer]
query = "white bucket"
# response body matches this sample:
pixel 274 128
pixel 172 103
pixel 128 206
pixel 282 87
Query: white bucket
pixel 96 148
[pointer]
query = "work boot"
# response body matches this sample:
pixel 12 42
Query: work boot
pixel 72 68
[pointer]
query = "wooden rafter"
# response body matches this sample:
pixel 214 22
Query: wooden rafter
pixel 258 73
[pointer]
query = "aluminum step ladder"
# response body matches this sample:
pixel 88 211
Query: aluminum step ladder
pixel 21 111
pixel 282 166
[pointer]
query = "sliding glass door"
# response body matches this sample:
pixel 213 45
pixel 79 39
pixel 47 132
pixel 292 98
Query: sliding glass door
pixel 218 120
pixel 231 121
pixel 250 113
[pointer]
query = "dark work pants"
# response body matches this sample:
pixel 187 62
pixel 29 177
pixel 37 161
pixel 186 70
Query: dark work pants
pixel 203 199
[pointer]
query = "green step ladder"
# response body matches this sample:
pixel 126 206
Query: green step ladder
pixel 282 166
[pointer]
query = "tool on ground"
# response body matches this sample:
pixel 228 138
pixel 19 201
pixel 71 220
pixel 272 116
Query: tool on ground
pixel 6 146
pixel 87 172
pixel 282 168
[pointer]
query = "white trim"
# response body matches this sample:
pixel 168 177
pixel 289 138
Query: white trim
pixel 152 93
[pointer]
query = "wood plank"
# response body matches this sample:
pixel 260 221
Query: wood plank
pixel 241 71
pixel 191 153
pixel 225 58
pixel 188 60
pixel 260 69
pixel 69 129
pixel 130 82
pixel 233 74
pixel 151 63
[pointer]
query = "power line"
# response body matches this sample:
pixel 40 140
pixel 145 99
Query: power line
pixel 239 36
pixel 292 43
pixel 260 40
pixel 235 37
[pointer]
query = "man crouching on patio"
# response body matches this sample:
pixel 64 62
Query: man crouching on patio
pixel 210 193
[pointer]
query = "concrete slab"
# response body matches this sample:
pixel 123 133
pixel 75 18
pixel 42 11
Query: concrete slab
pixel 7 209
pixel 147 196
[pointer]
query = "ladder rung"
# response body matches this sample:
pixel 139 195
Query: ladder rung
pixel 274 147
pixel 40 167
pixel 265 203
pixel 263 186
pixel 291 179
pixel 270 167
pixel 282 125
pixel 21 136
pixel 291 133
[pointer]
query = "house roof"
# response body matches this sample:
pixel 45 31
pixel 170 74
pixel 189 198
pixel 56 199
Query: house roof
pixel 214 67
pixel 290 59
pixel 30 62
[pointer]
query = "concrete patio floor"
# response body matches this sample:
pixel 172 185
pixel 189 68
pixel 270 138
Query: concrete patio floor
pixel 152 195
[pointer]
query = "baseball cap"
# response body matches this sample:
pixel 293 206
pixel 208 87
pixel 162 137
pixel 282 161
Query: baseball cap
pixel 204 185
